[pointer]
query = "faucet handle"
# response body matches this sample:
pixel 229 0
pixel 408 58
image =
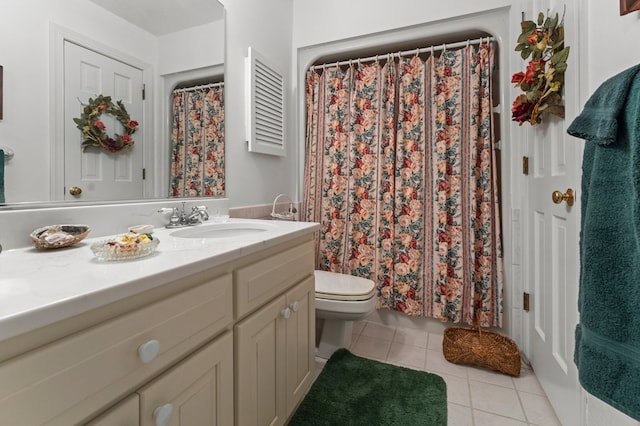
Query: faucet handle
pixel 174 220
pixel 202 211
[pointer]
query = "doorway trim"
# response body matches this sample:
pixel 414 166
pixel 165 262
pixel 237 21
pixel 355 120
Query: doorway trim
pixel 495 22
pixel 58 36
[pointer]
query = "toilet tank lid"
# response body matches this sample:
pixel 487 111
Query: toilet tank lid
pixel 342 284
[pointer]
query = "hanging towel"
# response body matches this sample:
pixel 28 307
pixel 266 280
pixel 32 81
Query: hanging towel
pixel 1 176
pixel 607 350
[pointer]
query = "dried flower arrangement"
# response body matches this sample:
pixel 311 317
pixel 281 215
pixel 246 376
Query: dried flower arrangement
pixel 541 42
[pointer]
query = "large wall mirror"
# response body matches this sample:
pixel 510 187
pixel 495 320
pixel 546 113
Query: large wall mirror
pixel 163 59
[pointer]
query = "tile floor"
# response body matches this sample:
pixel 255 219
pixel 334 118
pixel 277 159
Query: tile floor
pixel 476 397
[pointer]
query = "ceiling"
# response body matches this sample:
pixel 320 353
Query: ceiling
pixel 160 17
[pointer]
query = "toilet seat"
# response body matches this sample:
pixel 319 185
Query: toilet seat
pixel 336 286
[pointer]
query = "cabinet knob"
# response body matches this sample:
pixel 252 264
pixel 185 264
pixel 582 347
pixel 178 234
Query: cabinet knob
pixel 286 313
pixel 295 306
pixel 162 414
pixel 149 351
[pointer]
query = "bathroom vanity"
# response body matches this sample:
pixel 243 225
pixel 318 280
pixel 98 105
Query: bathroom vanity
pixel 209 330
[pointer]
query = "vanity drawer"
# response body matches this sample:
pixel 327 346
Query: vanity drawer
pixel 71 379
pixel 263 280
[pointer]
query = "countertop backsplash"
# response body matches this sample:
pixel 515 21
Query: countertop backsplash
pixel 103 219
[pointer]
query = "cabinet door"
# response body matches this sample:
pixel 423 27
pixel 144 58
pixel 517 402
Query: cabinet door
pixel 198 391
pixel 126 413
pixel 260 363
pixel 301 330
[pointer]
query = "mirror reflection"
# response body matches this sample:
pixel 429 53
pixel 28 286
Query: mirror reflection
pixel 156 65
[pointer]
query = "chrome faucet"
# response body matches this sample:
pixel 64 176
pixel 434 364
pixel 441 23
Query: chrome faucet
pixel 180 218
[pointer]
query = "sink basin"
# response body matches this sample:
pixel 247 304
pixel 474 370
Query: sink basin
pixel 223 230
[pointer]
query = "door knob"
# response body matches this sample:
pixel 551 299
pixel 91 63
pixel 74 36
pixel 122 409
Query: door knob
pixel 558 197
pixel 75 191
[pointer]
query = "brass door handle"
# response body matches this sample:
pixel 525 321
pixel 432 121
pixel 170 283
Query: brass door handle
pixel 75 191
pixel 558 197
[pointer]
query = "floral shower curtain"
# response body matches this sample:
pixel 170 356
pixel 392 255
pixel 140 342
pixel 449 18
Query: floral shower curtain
pixel 197 143
pixel 401 174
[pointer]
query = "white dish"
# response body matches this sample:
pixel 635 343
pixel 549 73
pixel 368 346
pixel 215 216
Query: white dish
pixel 114 249
pixel 58 236
pixel 141 229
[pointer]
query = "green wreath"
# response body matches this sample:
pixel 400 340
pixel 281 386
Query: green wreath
pixel 93 129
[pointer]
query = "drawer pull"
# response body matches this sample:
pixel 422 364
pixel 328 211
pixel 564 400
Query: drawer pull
pixel 149 351
pixel 162 414
pixel 295 306
pixel 286 313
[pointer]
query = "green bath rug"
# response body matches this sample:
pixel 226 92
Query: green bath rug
pixel 352 391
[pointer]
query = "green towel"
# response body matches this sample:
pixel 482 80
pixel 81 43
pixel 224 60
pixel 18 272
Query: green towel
pixel 607 350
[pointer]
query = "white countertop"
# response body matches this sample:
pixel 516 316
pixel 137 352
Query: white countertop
pixel 40 287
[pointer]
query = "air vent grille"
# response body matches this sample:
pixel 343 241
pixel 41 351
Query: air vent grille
pixel 265 100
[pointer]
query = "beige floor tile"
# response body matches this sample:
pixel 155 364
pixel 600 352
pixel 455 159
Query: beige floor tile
pixel 496 399
pixel 358 326
pixel 538 410
pixel 482 418
pixel 370 347
pixel 407 356
pixel 458 415
pixel 437 363
pixel 411 336
pixel 435 342
pixel 378 331
pixel 528 382
pixel 457 389
pixel 488 376
pixel 475 396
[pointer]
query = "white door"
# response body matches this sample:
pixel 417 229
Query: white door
pixel 553 236
pixel 99 174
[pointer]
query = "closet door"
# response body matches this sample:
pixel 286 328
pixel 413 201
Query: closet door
pixel 554 165
pixel 100 175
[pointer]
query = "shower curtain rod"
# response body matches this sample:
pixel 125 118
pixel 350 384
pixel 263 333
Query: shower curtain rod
pixel 194 88
pixel 431 49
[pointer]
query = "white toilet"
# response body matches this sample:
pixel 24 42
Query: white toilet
pixel 340 300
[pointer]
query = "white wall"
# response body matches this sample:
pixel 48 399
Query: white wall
pixel 266 26
pixel 612 43
pixel 320 22
pixel 25 54
pixel 178 51
pixel 333 26
pixel 24 47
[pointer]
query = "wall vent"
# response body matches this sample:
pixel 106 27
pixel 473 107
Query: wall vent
pixel 264 93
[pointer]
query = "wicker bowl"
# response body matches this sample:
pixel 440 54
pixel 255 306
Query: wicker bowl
pixel 474 346
pixel 58 236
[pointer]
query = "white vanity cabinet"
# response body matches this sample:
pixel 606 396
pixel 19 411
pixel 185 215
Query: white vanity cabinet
pixel 73 378
pixel 125 413
pixel 218 347
pixel 275 344
pixel 199 391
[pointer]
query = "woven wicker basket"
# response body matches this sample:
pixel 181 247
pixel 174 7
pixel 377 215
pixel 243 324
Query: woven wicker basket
pixel 474 346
